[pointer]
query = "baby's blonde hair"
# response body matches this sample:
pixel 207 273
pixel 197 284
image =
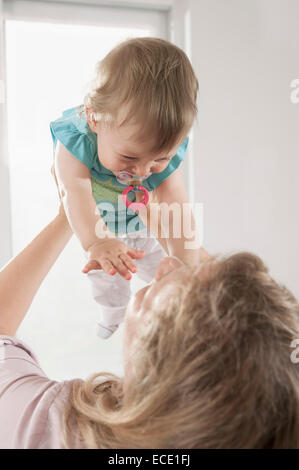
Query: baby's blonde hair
pixel 156 81
pixel 212 369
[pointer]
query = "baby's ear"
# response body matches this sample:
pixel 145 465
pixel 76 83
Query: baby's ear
pixel 90 119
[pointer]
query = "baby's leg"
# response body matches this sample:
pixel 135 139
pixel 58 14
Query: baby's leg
pixel 112 293
pixel 147 266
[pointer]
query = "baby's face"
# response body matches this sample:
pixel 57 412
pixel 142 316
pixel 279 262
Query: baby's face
pixel 118 151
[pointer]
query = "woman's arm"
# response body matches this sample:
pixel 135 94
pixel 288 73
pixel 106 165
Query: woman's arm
pixel 21 277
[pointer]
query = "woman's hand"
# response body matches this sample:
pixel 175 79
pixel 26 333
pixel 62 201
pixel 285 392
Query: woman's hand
pixel 112 256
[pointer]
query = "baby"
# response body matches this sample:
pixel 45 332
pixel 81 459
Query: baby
pixel 133 125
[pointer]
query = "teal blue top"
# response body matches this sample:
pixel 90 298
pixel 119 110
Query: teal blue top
pixel 75 134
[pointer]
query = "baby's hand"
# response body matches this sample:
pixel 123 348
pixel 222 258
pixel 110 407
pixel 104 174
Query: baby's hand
pixel 112 256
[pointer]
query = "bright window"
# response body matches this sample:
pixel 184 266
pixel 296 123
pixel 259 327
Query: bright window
pixel 49 64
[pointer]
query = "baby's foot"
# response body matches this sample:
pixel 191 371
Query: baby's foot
pixel 105 331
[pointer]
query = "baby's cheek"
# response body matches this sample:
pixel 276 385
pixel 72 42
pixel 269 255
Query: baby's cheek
pixel 159 168
pixel 156 169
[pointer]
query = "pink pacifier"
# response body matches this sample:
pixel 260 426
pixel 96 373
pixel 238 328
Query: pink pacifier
pixel 134 182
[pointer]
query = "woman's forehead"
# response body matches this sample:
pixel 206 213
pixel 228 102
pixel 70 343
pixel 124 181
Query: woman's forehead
pixel 179 274
pixel 187 272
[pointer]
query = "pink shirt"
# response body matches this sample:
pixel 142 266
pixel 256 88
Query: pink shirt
pixel 31 405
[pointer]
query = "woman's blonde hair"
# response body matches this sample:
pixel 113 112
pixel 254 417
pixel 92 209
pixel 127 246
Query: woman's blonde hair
pixel 212 369
pixel 155 80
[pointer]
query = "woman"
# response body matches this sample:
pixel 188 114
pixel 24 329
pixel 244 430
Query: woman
pixel 206 355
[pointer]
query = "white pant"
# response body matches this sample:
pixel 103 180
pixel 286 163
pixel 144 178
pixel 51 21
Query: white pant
pixel 113 292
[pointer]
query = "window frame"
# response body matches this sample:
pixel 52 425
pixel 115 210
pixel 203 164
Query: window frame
pixel 163 16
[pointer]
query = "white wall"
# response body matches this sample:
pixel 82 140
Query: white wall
pixel 5 222
pixel 246 148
